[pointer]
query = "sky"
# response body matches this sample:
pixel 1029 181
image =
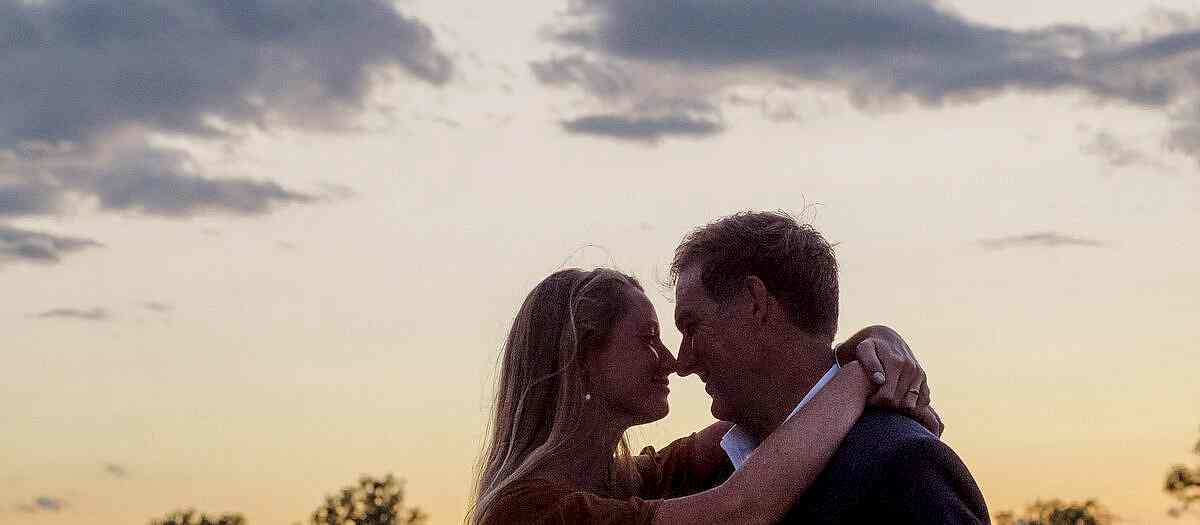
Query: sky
pixel 251 250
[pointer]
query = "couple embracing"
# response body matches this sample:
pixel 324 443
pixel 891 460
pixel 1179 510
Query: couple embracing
pixel 808 432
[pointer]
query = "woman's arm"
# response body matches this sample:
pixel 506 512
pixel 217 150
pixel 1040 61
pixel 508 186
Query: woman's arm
pixel 784 465
pixel 707 454
pixel 897 386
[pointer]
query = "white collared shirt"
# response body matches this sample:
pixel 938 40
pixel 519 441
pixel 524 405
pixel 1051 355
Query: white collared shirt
pixel 739 444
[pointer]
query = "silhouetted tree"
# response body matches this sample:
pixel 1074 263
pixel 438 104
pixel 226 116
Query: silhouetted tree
pixel 1058 512
pixel 371 502
pixel 1184 485
pixel 191 517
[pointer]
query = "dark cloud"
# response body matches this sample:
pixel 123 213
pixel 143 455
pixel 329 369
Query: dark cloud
pixel 162 182
pixel 116 470
pixel 175 66
pixel 875 49
pixel 142 178
pixel 29 199
pixel 93 314
pixel 882 54
pixel 642 129
pixel 85 83
pixel 1039 240
pixel 36 247
pixel 43 504
pixel 602 79
pixel 652 119
pixel 1116 153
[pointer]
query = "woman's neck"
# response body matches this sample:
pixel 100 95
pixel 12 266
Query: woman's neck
pixel 588 463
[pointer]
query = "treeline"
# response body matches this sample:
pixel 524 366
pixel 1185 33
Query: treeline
pixel 370 502
pixel 1182 484
pixel 381 502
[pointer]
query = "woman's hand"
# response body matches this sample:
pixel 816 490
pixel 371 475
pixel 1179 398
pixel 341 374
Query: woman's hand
pixel 890 363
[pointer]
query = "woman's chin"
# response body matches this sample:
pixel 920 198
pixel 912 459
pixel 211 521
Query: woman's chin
pixel 654 413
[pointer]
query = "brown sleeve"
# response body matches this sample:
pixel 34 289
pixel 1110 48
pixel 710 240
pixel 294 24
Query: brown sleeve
pixel 674 472
pixel 538 502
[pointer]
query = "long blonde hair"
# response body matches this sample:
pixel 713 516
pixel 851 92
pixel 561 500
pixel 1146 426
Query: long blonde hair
pixel 540 393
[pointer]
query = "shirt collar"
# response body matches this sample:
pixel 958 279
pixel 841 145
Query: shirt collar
pixel 739 444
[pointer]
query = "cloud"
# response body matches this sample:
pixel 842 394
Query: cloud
pixel 1185 139
pixel 132 176
pixel 1117 154
pixel 116 470
pixel 155 306
pixel 176 66
pixel 602 79
pixel 93 314
pixel 1039 240
pixel 30 198
pixel 43 504
pixel 85 85
pixel 883 55
pixel 40 248
pixel 874 49
pixel 650 120
pixel 645 129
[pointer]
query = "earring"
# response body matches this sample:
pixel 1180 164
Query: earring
pixel 587 397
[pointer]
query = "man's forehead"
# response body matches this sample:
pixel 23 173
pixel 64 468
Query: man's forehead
pixel 688 290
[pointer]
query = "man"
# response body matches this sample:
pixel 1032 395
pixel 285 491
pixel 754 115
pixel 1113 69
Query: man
pixel 757 303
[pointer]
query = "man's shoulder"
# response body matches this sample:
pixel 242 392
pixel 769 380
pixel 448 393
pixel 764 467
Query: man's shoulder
pixel 880 435
pixel 885 447
pixel 883 454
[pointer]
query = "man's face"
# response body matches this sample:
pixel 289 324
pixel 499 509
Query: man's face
pixel 717 346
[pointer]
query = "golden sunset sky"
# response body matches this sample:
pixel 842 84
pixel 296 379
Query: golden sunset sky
pixel 249 253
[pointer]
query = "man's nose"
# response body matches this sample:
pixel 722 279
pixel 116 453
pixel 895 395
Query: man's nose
pixel 686 364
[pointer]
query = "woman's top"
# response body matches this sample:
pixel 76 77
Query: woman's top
pixel 670 473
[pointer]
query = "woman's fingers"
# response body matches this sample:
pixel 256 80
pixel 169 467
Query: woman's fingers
pixel 929 418
pixel 867 355
pixel 924 400
pixel 908 389
pixel 889 395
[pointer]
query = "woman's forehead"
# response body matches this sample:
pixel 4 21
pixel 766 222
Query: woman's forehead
pixel 639 307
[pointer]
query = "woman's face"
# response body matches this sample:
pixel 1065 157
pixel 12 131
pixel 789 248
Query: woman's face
pixel 628 375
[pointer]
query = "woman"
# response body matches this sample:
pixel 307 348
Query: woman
pixel 584 362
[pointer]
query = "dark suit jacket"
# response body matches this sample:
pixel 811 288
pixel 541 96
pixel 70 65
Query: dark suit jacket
pixel 891 470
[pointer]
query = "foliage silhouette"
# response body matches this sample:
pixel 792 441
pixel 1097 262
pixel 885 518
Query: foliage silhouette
pixel 1058 512
pixel 1183 484
pixel 191 517
pixel 371 502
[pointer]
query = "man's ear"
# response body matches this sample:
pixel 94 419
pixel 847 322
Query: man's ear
pixel 761 302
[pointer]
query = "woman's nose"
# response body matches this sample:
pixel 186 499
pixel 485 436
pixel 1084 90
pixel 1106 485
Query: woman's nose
pixel 667 361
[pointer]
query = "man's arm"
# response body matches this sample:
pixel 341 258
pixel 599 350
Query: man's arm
pixel 926 482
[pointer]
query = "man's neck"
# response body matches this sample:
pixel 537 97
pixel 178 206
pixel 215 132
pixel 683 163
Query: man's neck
pixel 793 377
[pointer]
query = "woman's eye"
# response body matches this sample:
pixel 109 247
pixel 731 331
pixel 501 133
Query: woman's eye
pixel 650 343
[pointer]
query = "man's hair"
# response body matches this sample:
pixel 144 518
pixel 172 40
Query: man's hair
pixel 794 262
